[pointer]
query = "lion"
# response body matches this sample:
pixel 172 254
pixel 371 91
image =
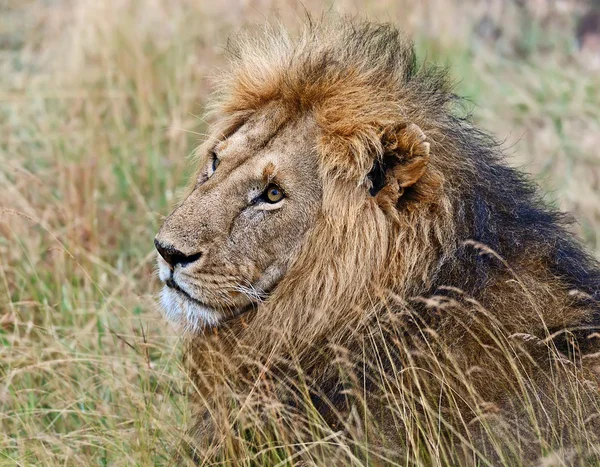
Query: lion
pixel 342 205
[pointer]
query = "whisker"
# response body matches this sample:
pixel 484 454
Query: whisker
pixel 250 292
pixel 262 295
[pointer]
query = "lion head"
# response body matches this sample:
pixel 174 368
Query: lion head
pixel 231 241
pixel 313 181
pixel 338 174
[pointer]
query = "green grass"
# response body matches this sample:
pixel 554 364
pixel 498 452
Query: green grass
pixel 99 106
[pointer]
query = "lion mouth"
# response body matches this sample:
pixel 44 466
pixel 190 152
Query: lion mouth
pixel 212 316
pixel 170 282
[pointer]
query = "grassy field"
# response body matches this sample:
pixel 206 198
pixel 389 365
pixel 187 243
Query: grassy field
pixel 101 104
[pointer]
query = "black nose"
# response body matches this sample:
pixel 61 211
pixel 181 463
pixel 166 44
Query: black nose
pixel 173 256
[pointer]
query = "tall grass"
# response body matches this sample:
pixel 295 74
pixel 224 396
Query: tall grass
pixel 434 399
pixel 101 102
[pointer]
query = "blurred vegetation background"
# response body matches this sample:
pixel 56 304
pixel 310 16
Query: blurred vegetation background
pixel 100 105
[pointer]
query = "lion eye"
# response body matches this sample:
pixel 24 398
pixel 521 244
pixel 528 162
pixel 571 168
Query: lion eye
pixel 215 162
pixel 273 194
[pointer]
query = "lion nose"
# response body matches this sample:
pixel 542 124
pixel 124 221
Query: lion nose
pixel 173 256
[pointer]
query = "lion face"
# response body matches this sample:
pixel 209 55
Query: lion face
pixel 230 242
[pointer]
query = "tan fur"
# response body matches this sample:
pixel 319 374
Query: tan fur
pixel 330 104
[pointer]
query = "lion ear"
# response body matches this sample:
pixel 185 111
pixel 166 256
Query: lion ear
pixel 404 161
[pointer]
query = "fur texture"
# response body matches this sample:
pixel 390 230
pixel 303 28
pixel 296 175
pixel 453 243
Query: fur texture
pixel 418 211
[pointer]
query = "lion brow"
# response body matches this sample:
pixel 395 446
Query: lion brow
pixel 269 172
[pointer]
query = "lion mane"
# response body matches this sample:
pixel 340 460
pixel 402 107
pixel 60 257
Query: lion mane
pixel 445 223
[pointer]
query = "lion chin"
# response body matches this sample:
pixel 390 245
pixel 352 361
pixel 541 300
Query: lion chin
pixel 187 314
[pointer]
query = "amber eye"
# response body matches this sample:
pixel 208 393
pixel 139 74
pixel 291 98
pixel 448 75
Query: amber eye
pixel 273 194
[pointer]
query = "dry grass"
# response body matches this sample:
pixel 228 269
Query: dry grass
pixel 99 105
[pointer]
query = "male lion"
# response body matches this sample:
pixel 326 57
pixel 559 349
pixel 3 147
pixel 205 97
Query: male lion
pixel 346 227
